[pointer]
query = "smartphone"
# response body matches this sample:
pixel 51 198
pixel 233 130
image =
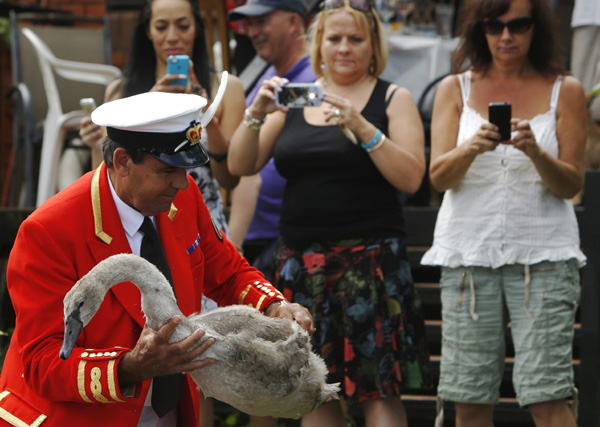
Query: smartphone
pixel 87 105
pixel 500 114
pixel 179 64
pixel 299 95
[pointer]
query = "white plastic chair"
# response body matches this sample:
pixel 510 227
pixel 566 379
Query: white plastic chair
pixel 57 122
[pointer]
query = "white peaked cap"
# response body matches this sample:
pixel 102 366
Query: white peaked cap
pixel 163 124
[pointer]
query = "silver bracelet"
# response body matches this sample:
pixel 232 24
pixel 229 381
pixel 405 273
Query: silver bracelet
pixel 251 122
pixel 377 145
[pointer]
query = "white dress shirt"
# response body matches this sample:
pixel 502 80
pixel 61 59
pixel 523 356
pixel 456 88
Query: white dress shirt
pixel 132 221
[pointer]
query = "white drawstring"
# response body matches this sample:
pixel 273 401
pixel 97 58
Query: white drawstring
pixel 474 315
pixel 575 405
pixel 439 407
pixel 526 303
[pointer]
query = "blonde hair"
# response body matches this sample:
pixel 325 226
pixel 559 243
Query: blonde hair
pixel 367 22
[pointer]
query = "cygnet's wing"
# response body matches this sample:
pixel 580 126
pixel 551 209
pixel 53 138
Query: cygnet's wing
pixel 263 366
pixel 244 320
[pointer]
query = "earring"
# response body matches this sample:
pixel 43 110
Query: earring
pixel 323 67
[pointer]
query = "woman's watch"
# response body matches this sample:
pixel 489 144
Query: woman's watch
pixel 217 157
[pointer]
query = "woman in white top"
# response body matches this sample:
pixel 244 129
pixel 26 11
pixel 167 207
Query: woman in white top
pixel 506 234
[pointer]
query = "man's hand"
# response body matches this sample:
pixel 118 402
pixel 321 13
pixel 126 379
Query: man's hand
pixel 294 312
pixel 154 356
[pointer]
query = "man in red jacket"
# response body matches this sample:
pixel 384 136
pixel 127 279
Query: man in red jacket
pixel 151 139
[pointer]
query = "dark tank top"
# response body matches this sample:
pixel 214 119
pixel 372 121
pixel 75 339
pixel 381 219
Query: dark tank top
pixel 334 191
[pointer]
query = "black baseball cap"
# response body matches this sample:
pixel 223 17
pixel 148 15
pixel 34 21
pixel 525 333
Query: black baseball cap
pixel 262 7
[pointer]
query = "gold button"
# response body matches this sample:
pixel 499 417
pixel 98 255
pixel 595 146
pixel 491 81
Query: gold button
pixel 257 282
pixel 92 354
pixel 107 353
pixel 84 354
pixel 271 294
pixel 113 354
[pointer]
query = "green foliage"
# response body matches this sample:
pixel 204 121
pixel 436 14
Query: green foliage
pixel 4 31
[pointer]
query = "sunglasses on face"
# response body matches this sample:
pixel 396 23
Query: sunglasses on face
pixel 362 5
pixel 515 26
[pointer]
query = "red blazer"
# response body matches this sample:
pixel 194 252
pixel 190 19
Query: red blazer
pixel 59 243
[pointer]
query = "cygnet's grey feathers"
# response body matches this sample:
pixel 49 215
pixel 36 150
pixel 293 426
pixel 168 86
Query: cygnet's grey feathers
pixel 263 366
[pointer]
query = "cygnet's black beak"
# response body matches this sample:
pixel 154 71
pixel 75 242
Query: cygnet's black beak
pixel 73 327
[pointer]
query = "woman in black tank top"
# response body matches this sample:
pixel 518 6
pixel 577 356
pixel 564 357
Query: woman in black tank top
pixel 342 252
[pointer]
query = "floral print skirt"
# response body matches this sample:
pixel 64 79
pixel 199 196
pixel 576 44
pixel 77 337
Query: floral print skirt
pixel 369 319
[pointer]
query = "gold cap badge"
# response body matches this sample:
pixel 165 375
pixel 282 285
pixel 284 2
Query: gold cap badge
pixel 194 132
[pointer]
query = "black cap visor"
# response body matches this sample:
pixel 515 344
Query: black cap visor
pixel 195 156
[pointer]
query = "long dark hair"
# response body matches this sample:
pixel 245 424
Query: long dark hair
pixel 545 52
pixel 140 72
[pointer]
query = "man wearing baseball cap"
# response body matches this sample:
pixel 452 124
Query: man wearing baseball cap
pixel 277 31
pixel 140 190
pixel 263 7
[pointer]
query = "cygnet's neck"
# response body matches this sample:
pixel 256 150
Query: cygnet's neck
pixel 158 301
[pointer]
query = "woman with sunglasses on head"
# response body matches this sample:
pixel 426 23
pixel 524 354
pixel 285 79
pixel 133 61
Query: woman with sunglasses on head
pixel 342 252
pixel 174 27
pixel 506 234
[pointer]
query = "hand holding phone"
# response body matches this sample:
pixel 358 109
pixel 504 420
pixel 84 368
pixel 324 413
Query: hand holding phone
pixel 499 114
pixel 179 64
pixel 87 105
pixel 299 95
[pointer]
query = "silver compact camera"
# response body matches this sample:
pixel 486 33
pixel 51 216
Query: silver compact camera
pixel 299 95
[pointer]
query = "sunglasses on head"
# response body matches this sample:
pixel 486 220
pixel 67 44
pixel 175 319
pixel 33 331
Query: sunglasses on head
pixel 362 5
pixel 515 26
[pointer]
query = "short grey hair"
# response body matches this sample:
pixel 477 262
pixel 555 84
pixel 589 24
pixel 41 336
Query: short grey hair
pixel 109 147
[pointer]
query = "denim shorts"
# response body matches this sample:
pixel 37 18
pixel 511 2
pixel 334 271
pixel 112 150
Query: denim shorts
pixel 539 300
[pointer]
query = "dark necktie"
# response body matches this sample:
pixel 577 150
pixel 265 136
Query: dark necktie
pixel 166 389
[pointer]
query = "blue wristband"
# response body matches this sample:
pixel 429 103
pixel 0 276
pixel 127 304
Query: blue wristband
pixel 373 141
